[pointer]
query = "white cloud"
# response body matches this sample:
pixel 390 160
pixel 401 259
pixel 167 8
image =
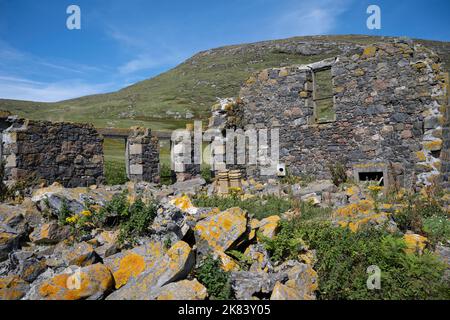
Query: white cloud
pixel 25 89
pixel 309 18
pixel 145 53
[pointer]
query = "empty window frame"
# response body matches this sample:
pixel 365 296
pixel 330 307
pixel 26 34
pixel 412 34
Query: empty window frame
pixel 323 96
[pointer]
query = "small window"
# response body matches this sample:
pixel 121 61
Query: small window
pixel 372 176
pixel 323 96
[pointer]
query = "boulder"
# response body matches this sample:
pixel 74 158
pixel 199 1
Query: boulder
pixel 91 282
pixel 31 268
pixel 130 264
pixel 12 288
pixel 81 254
pixel 283 292
pixel 190 187
pixel 173 266
pixel 9 241
pixel 220 231
pixel 415 243
pixel 260 257
pixel 49 233
pixel 317 187
pixel 53 197
pixel 249 285
pixel 183 290
pixel 268 227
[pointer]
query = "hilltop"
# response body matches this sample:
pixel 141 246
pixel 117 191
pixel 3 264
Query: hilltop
pixel 187 91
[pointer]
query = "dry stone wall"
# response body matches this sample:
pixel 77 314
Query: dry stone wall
pixel 388 98
pixel 71 154
pixel 142 156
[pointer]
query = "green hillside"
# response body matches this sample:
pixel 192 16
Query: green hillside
pixel 163 102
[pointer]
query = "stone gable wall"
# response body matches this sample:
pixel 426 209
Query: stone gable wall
pixel 388 102
pixel 71 154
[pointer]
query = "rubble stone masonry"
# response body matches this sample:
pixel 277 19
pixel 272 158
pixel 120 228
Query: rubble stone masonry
pixel 389 103
pixel 68 153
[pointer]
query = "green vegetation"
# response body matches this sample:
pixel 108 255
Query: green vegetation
pixel 338 173
pixel 216 281
pixel 259 207
pixel 344 256
pixel 133 219
pixel 424 215
pixel 115 173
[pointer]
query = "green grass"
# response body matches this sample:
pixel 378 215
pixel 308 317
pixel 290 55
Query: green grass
pixel 190 87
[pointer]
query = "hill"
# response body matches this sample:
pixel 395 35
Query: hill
pixel 187 91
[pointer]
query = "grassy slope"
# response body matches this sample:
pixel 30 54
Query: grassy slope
pixel 193 86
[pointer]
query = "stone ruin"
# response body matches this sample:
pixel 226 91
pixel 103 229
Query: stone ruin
pixel 71 154
pixel 142 156
pixel 379 110
pixel 384 115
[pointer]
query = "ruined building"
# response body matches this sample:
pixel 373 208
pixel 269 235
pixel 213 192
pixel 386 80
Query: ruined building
pixel 379 110
pixel 71 154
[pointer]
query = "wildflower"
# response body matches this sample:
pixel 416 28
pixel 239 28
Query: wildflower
pixel 72 219
pixel 86 213
pixel 375 188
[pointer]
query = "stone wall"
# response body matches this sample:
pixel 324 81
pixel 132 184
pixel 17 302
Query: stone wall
pixel 142 156
pixel 388 104
pixel 71 154
pixel 445 156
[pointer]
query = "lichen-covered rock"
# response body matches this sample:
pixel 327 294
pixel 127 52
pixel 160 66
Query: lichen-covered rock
pixel 132 263
pixel 248 285
pixel 219 232
pixel 91 282
pixel 268 227
pixel 362 213
pixel 174 265
pixel 31 268
pixel 12 288
pixel 9 241
pixel 260 257
pixel 49 233
pixel 227 263
pixel 415 243
pixel 283 292
pixel 183 290
pixel 81 254
pixel 53 197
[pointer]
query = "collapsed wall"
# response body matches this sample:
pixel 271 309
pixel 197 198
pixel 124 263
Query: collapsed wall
pixel 68 153
pixel 388 102
pixel 142 156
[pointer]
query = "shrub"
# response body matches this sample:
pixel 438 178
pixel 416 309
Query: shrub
pixel 166 174
pixel 343 258
pixel 206 173
pixel 437 229
pixel 416 211
pixel 115 173
pixel 338 173
pixel 259 207
pixel 132 219
pixel 138 218
pixel 216 281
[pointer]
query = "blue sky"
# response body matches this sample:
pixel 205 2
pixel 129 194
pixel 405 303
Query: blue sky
pixel 125 41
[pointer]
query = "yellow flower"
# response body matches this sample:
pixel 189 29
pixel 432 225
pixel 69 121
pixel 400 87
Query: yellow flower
pixel 375 188
pixel 86 213
pixel 72 219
